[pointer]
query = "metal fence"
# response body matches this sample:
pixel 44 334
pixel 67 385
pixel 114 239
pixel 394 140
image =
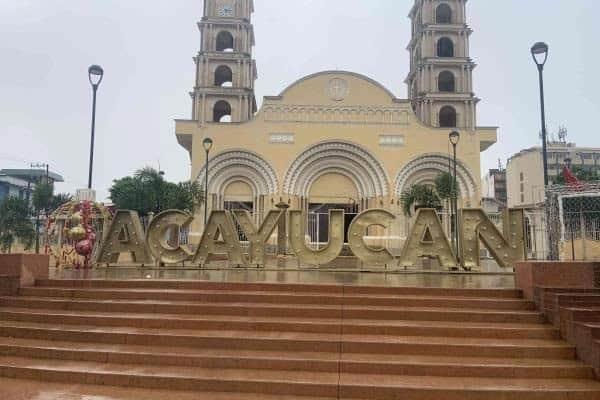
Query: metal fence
pixel 573 228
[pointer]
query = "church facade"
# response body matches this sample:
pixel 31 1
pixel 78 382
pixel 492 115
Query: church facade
pixel 332 139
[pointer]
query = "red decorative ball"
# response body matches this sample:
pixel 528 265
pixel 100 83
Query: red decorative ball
pixel 84 247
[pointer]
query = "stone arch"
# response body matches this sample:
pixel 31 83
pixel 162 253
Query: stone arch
pixel 443 14
pixel 223 76
pixel 240 165
pixel 222 112
pixel 445 47
pixel 447 117
pixel 342 157
pixel 425 168
pixel 224 41
pixel 446 82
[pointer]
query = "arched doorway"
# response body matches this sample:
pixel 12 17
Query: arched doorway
pixel 331 191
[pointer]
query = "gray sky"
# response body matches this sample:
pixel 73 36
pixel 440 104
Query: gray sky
pixel 146 48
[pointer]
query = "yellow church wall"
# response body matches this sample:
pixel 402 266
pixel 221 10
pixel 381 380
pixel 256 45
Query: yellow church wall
pixel 336 107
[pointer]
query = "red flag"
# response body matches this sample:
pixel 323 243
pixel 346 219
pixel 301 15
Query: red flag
pixel 571 180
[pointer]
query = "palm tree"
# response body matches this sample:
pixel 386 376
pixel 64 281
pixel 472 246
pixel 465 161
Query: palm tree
pixel 15 224
pixel 419 196
pixel 444 186
pixel 148 191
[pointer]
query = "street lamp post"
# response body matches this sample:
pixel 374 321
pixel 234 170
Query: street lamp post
pixel 95 75
pixel 539 52
pixel 207 144
pixel 454 139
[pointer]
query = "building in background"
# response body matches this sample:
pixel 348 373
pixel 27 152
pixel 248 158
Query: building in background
pixel 525 172
pixel 493 189
pixel 21 182
pixel 525 189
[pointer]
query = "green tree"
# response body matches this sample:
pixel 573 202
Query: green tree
pixel 44 202
pixel 15 224
pixel 58 200
pixel 147 191
pixel 42 196
pixel 419 196
pixel 444 186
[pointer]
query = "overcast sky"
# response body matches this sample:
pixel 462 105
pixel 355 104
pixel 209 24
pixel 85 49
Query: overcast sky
pixel 146 48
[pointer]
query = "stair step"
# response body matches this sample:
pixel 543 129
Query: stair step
pixel 22 389
pixel 290 341
pixel 322 362
pixel 326 325
pixel 282 310
pixel 247 341
pixel 222 296
pixel 277 287
pixel 303 383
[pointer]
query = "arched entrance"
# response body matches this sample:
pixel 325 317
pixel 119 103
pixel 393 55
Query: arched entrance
pixel 331 191
pixel 239 179
pixel 334 174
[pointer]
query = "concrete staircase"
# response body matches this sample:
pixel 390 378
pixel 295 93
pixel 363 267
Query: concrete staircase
pixel 289 342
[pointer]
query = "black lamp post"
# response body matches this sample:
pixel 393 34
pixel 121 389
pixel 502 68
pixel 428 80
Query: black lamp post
pixel 539 52
pixel 207 144
pixel 95 75
pixel 454 139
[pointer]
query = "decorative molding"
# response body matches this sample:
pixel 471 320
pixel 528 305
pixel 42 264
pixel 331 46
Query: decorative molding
pixel 282 138
pixel 336 114
pixel 392 140
pixel 241 165
pixel 346 158
pixel 337 89
pixel 425 168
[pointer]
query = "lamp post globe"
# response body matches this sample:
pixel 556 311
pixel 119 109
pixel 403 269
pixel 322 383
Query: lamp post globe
pixel 539 52
pixel 454 137
pixel 95 76
pixel 207 144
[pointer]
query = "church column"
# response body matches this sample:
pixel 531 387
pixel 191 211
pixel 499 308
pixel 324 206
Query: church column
pixel 431 79
pixel 203 109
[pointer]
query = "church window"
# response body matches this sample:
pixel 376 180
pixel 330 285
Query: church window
pixel 222 111
pixel 445 47
pixel 446 82
pixel 224 41
pixel 447 117
pixel 223 76
pixel 443 14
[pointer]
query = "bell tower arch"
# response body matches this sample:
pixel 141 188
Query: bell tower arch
pixel 225 69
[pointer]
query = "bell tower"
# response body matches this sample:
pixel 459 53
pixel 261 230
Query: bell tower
pixel 440 82
pixel 225 69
